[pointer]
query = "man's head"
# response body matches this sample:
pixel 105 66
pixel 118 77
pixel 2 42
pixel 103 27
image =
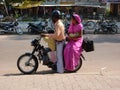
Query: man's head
pixel 55 15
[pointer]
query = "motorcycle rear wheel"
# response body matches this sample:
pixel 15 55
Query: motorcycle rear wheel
pixel 27 67
pixel 77 67
pixel 54 67
pixel 115 29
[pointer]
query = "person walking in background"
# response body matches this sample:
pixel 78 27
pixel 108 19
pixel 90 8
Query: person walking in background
pixel 73 48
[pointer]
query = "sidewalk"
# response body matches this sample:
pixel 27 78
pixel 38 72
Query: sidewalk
pixel 59 82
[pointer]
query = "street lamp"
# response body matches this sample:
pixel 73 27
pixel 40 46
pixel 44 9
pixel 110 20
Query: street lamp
pixel 5 7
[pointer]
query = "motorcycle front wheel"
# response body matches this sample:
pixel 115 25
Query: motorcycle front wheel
pixel 27 63
pixel 19 30
pixel 90 25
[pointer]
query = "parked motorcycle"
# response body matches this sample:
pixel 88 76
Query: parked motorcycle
pixel 106 27
pixel 37 28
pixel 66 27
pixel 28 62
pixel 10 28
pixel 90 25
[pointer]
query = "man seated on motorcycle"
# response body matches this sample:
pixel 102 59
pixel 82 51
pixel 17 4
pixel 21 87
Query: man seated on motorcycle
pixel 59 37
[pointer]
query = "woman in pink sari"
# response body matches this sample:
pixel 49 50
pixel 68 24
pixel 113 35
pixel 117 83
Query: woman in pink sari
pixel 73 48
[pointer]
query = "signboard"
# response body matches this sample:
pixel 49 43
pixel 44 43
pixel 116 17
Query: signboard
pixel 67 2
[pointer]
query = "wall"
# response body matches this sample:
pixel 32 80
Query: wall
pixel 119 9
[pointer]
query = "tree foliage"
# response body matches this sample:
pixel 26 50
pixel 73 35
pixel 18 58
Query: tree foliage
pixel 18 1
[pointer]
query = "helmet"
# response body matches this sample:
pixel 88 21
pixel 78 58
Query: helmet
pixel 56 14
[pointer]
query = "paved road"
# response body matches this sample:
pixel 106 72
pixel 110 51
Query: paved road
pixel 100 71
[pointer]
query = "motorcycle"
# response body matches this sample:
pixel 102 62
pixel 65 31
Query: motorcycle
pixel 37 28
pixel 90 25
pixel 66 27
pixel 28 62
pixel 106 27
pixel 10 28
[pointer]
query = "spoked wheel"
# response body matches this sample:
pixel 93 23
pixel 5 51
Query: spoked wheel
pixel 27 63
pixel 114 29
pixel 90 25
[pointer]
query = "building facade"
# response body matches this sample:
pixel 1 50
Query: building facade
pixel 85 8
pixel 114 7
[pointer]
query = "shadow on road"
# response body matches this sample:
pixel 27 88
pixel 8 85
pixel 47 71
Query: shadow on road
pixel 45 72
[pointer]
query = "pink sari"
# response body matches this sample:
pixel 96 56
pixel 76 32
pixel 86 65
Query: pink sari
pixel 73 48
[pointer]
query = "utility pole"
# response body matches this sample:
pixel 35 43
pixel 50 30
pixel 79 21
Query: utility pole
pixel 4 2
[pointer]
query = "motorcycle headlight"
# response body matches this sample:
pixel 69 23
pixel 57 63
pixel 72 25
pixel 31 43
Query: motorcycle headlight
pixel 16 23
pixel 34 42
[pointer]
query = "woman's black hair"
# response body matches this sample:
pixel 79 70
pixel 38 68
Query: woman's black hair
pixel 72 16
